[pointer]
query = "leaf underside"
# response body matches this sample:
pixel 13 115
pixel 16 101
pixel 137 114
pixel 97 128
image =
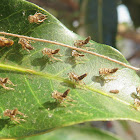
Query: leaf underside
pixel 32 95
pixel 76 133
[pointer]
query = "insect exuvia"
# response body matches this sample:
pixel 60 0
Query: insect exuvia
pixel 114 91
pixel 61 97
pixel 74 77
pixel 25 44
pixel 12 114
pixel 4 81
pixel 37 18
pixel 5 42
pixel 50 53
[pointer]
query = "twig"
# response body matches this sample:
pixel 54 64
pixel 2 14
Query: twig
pixel 71 47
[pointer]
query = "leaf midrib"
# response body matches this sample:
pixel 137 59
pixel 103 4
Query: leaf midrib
pixel 58 78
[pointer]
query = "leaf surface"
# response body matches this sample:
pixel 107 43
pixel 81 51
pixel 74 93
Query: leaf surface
pixel 37 77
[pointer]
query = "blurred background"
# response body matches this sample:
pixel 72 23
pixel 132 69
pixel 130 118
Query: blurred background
pixel 111 22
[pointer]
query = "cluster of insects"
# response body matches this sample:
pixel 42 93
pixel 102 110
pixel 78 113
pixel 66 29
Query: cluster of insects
pixel 26 44
pixel 105 73
pixel 61 98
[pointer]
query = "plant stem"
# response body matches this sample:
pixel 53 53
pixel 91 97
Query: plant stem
pixel 71 47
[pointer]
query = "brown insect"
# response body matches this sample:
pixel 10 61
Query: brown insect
pixel 107 71
pixel 37 18
pixel 81 43
pixel 50 53
pixel 12 114
pixel 138 90
pixel 4 81
pixel 105 74
pixel 5 42
pixel 114 91
pixel 136 102
pixel 25 44
pixel 61 97
pixel 74 77
pixel 76 54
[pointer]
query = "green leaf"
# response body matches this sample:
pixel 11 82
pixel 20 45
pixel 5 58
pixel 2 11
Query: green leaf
pixel 36 78
pixel 76 133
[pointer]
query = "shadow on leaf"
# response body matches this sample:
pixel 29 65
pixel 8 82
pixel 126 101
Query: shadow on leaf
pixel 40 62
pixel 50 105
pixel 99 79
pixel 4 91
pixel 12 54
pixel 68 85
pixel 135 96
pixel 5 123
pixel 71 60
